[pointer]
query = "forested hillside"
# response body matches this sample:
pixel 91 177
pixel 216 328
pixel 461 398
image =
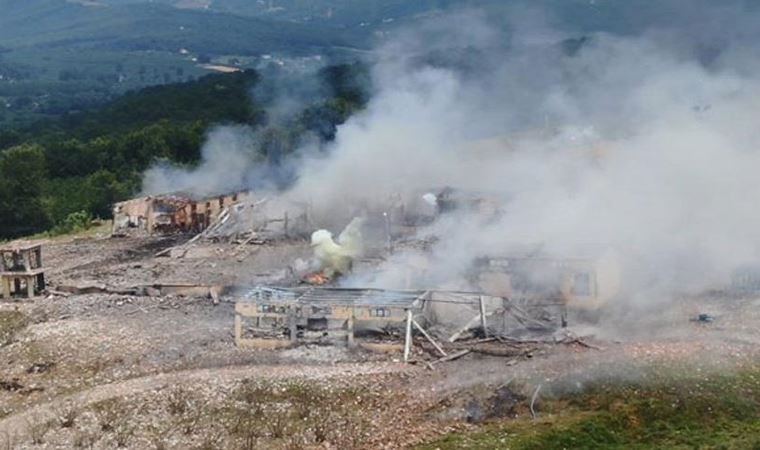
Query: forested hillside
pixel 60 57
pixel 151 26
pixel 58 172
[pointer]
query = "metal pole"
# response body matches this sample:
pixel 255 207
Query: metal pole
pixel 408 340
pixel 483 316
pixel 350 330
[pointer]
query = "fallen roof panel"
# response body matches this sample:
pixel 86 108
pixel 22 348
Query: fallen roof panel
pixel 336 296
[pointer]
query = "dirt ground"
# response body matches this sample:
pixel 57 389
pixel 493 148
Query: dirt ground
pixel 106 370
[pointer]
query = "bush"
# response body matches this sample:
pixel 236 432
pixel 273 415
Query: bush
pixel 37 429
pixel 74 222
pixel 67 415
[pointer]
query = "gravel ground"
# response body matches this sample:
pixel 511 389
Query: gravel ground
pixel 78 351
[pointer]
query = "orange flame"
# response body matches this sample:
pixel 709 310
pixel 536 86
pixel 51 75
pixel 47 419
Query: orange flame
pixel 316 278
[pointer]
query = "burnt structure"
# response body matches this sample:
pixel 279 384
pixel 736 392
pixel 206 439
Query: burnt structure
pixel 746 279
pixel 585 283
pixel 21 272
pixel 321 314
pixel 275 317
pixel 171 213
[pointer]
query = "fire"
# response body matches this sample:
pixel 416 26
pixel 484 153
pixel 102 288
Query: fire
pixel 316 278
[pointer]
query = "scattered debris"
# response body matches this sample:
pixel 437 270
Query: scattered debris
pixel 533 401
pixel 129 315
pixel 40 367
pixel 12 385
pixel 704 318
pixel 155 290
pixel 452 356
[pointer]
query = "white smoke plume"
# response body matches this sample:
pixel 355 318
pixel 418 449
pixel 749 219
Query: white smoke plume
pixel 631 142
pixel 229 160
pixel 238 157
pixel 643 141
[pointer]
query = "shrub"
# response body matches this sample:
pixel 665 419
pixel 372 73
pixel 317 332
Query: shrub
pixel 37 429
pixel 74 222
pixel 67 415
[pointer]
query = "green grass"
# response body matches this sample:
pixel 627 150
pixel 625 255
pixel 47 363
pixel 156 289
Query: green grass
pixel 97 228
pixel 706 412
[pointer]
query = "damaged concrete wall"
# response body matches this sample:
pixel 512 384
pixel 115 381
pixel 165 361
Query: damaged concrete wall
pixel 131 213
pixel 585 283
pixel 172 212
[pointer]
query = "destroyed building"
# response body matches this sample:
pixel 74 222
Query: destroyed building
pixel 274 317
pixel 169 213
pixel 746 279
pixel 291 315
pixel 21 271
pixel 586 282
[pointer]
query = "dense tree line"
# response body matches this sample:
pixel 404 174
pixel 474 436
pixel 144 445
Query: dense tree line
pixel 78 166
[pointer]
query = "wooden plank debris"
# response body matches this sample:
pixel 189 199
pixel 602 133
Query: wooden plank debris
pixel 478 318
pixel 213 292
pixel 462 330
pixel 452 356
pixel 427 336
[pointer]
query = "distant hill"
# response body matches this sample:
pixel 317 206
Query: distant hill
pixel 158 27
pixel 605 14
pixel 59 57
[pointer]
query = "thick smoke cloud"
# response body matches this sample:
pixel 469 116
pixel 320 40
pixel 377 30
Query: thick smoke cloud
pixel 636 143
pixel 238 157
pixel 643 141
pixel 229 161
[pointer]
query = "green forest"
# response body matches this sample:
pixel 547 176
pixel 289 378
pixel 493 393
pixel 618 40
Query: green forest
pixel 60 173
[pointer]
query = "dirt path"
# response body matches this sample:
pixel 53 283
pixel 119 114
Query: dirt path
pixel 16 424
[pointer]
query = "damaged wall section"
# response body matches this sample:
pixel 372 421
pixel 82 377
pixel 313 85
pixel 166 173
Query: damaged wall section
pixel 21 272
pixel 171 213
pixel 274 316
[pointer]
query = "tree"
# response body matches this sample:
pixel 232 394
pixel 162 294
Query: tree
pixel 22 174
pixel 9 138
pixel 70 158
pixel 104 189
pixel 143 146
